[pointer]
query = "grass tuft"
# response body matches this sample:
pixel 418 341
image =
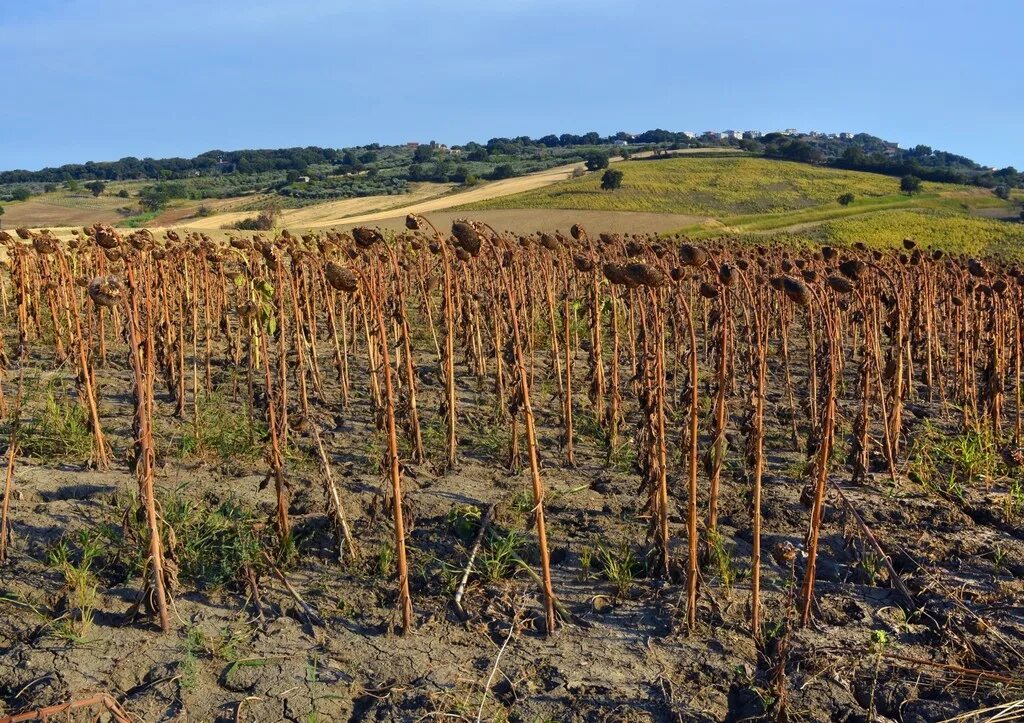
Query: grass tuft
pixel 58 431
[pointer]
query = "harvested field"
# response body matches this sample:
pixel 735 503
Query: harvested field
pixel 456 473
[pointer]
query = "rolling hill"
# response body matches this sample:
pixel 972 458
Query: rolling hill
pixel 756 196
pixel 698 195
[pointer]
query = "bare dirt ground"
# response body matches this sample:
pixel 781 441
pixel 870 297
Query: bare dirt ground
pixel 53 210
pixel 627 655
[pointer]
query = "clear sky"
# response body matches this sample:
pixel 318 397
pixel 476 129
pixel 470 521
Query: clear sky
pixel 103 79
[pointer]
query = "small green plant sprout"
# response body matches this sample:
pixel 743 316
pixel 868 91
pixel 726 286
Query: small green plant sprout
pixel 586 561
pixel 384 561
pixel 520 506
pixel 877 646
pixel 80 593
pixel 871 566
pixel 499 560
pixel 618 567
pixel 1013 500
pixel 193 647
pixel 998 558
pixel 720 555
pixel 464 520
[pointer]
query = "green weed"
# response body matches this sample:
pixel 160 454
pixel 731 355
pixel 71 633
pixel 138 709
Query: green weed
pixel 60 430
pixel 192 647
pixel 220 433
pixel 720 556
pixel 950 466
pixel 498 560
pixel 619 568
pixel 80 585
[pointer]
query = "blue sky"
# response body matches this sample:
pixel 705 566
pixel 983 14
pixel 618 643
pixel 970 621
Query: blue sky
pixel 103 79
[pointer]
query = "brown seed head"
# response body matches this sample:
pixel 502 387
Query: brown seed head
pixel 106 291
pixel 852 269
pixel 106 237
pixel 617 275
pixel 583 264
pixel 468 237
pixel 839 284
pixel 646 275
pixel 45 244
pixel 708 291
pixel 796 291
pixel 366 237
pixel 690 255
pixel 340 278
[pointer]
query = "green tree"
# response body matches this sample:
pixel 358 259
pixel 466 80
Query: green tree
pixel 505 170
pixel 1003 191
pixel 96 187
pixel 2 213
pixel 596 160
pixel 21 194
pixel 155 197
pixel 611 179
pixel 123 193
pixel 910 184
pixel 71 184
pixel 423 154
pixel 846 199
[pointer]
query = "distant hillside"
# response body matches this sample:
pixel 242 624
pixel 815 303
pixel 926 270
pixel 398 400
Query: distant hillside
pixel 312 173
pixel 749 196
pixel 705 187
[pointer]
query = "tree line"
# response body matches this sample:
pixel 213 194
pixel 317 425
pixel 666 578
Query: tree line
pixel 862 152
